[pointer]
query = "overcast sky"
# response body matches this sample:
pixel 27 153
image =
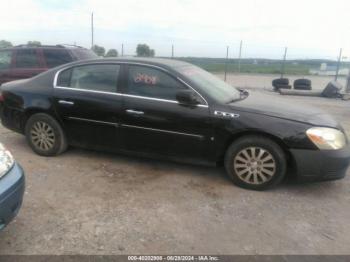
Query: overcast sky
pixel 310 28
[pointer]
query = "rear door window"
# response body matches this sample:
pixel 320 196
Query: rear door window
pixel 5 59
pixel 27 58
pixel 102 78
pixel 54 57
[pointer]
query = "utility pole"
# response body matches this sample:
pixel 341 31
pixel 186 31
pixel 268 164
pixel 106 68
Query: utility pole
pixel 240 56
pixel 284 62
pixel 347 87
pixel 338 65
pixel 172 51
pixel 122 49
pixel 92 30
pixel 226 62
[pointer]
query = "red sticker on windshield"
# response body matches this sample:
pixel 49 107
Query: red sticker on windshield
pixel 189 72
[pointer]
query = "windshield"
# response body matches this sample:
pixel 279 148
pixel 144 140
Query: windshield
pixel 213 86
pixel 82 54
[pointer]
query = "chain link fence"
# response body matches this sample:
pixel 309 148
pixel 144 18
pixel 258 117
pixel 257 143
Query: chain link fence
pixel 250 65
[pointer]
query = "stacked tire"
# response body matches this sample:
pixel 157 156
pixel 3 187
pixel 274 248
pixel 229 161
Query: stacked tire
pixel 281 83
pixel 299 84
pixel 302 84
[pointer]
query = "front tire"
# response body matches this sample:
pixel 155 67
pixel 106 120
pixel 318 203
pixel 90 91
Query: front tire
pixel 45 135
pixel 255 162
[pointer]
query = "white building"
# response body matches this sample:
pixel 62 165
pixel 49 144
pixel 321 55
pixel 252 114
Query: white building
pixel 326 70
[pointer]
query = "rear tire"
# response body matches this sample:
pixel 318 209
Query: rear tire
pixel 255 162
pixel 45 135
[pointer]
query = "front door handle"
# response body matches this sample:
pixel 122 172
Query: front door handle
pixel 134 112
pixel 65 102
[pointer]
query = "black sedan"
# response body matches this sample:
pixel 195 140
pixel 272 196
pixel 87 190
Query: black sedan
pixel 174 110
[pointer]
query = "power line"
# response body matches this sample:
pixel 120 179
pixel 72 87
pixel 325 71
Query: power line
pixel 92 30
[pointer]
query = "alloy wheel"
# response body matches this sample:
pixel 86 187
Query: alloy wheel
pixel 254 165
pixel 42 136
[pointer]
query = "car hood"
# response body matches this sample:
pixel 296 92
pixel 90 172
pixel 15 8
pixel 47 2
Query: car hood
pixel 286 108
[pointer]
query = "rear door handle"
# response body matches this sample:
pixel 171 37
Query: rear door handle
pixel 134 112
pixel 64 102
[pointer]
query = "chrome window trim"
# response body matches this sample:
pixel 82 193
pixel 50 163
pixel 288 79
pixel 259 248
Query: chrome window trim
pixel 186 84
pixel 124 95
pixel 163 131
pixel 88 91
pixel 127 95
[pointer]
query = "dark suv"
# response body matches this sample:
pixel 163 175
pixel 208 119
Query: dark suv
pixel 27 61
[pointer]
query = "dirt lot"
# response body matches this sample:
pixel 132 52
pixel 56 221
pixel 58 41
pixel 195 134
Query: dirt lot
pixel 86 202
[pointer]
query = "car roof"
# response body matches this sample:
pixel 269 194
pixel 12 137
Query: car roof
pixel 20 47
pixel 161 62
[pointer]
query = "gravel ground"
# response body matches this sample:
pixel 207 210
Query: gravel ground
pixel 86 202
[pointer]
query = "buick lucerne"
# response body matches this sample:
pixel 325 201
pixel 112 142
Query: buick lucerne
pixel 174 110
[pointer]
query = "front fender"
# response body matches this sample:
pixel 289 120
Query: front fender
pixel 288 133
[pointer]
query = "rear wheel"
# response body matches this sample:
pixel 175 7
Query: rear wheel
pixel 45 135
pixel 255 162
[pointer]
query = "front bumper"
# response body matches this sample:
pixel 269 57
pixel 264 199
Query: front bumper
pixel 321 164
pixel 11 194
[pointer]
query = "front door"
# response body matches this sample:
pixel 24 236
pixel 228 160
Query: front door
pixel 154 122
pixel 87 102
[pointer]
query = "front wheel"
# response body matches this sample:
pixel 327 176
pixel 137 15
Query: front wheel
pixel 45 135
pixel 255 162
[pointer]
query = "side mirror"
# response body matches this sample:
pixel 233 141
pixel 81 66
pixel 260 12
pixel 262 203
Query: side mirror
pixel 243 92
pixel 187 97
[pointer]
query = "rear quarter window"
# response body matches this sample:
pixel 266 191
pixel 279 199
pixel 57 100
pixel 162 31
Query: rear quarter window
pixel 56 57
pixel 64 78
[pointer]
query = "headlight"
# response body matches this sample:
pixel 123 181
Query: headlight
pixel 6 160
pixel 326 138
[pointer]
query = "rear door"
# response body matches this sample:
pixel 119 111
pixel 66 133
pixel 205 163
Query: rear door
pixel 27 63
pixel 87 102
pixel 154 122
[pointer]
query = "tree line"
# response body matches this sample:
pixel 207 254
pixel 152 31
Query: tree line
pixel 142 50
